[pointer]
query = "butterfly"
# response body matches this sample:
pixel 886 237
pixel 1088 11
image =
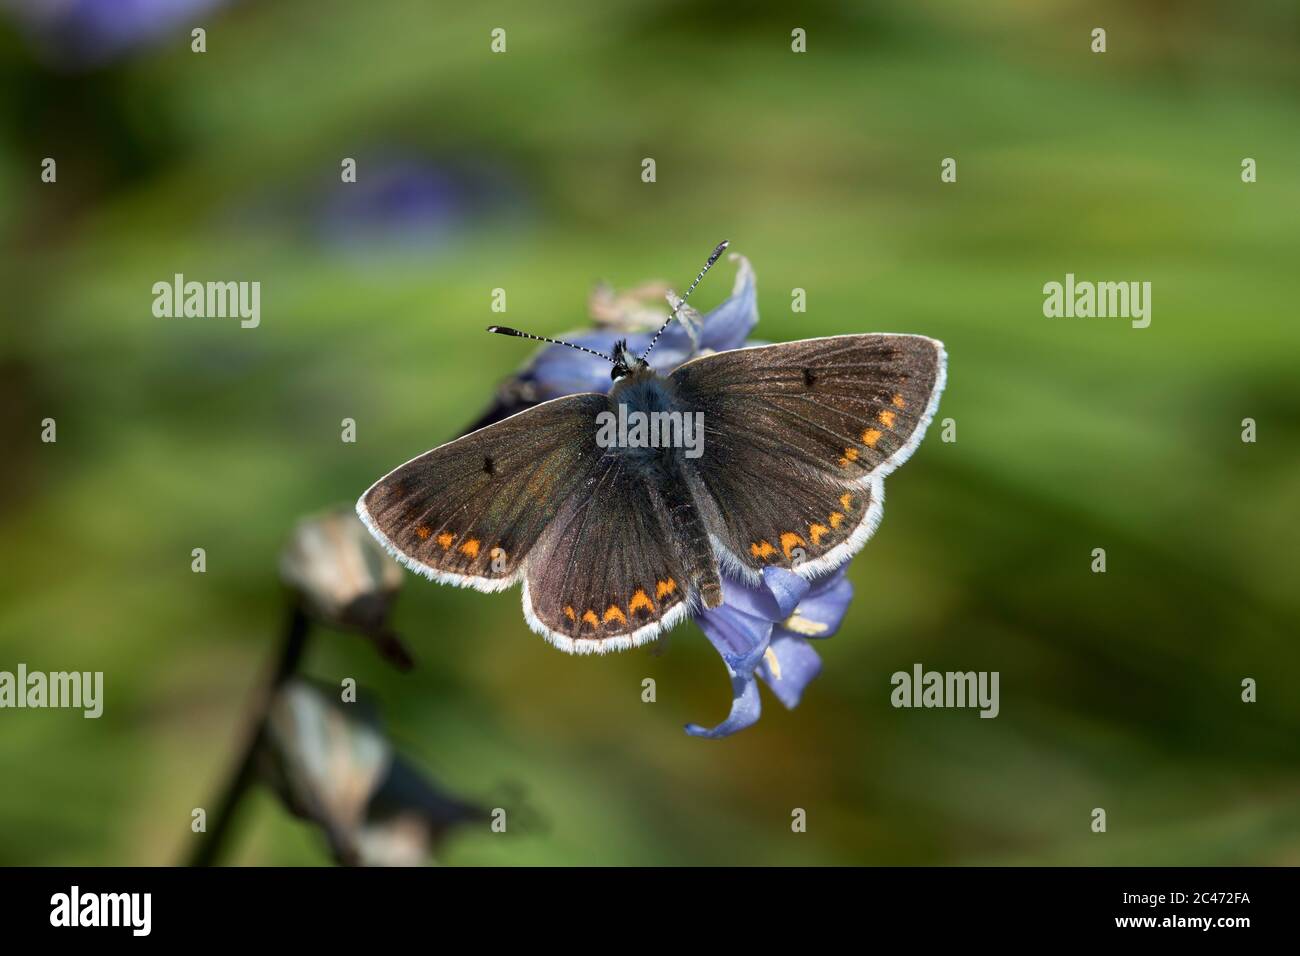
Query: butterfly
pixel 616 542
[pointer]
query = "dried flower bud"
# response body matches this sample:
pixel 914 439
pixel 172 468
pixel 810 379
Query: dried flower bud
pixel 630 310
pixel 332 764
pixel 325 762
pixel 343 577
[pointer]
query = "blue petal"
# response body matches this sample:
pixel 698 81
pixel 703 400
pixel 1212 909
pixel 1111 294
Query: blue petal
pixel 786 588
pixel 557 371
pixel 821 612
pixel 797 664
pixel 745 709
pixel 740 638
pixel 727 326
pixel 742 631
pixel 773 600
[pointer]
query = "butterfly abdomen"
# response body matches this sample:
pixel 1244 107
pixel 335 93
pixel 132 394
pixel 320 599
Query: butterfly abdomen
pixel 701 564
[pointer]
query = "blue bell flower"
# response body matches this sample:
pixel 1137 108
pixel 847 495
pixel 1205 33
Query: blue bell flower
pixel 762 631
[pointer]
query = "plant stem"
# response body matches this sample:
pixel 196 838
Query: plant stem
pixel 292 646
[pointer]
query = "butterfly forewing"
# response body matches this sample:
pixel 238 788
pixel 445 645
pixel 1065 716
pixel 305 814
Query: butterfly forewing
pixel 798 438
pixel 468 512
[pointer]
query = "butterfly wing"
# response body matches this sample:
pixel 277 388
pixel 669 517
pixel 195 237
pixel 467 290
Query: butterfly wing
pixel 533 497
pixel 468 512
pixel 608 572
pixel 798 438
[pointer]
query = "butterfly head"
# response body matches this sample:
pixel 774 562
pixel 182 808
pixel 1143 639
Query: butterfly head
pixel 625 362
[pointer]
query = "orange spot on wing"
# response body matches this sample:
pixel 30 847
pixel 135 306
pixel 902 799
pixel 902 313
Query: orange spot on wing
pixel 871 436
pixel 615 613
pixel 850 455
pixel 589 617
pixel 640 600
pixel 789 540
pixel 835 519
pixel 762 549
pixel 815 531
pixel 665 587
pixel 445 539
pixel 424 531
pixel 569 613
pixel 886 418
pixel 470 547
pixel 897 401
pixel 846 501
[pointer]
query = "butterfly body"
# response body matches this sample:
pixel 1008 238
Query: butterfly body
pixel 615 543
pixel 644 393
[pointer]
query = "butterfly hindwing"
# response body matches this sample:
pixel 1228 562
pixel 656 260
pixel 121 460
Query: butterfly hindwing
pixel 798 439
pixel 608 573
pixel 468 512
pixel 534 497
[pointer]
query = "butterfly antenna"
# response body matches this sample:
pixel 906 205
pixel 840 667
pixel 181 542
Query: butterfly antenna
pixel 713 257
pixel 503 330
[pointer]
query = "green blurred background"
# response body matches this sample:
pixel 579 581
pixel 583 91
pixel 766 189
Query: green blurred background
pixel 1118 690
